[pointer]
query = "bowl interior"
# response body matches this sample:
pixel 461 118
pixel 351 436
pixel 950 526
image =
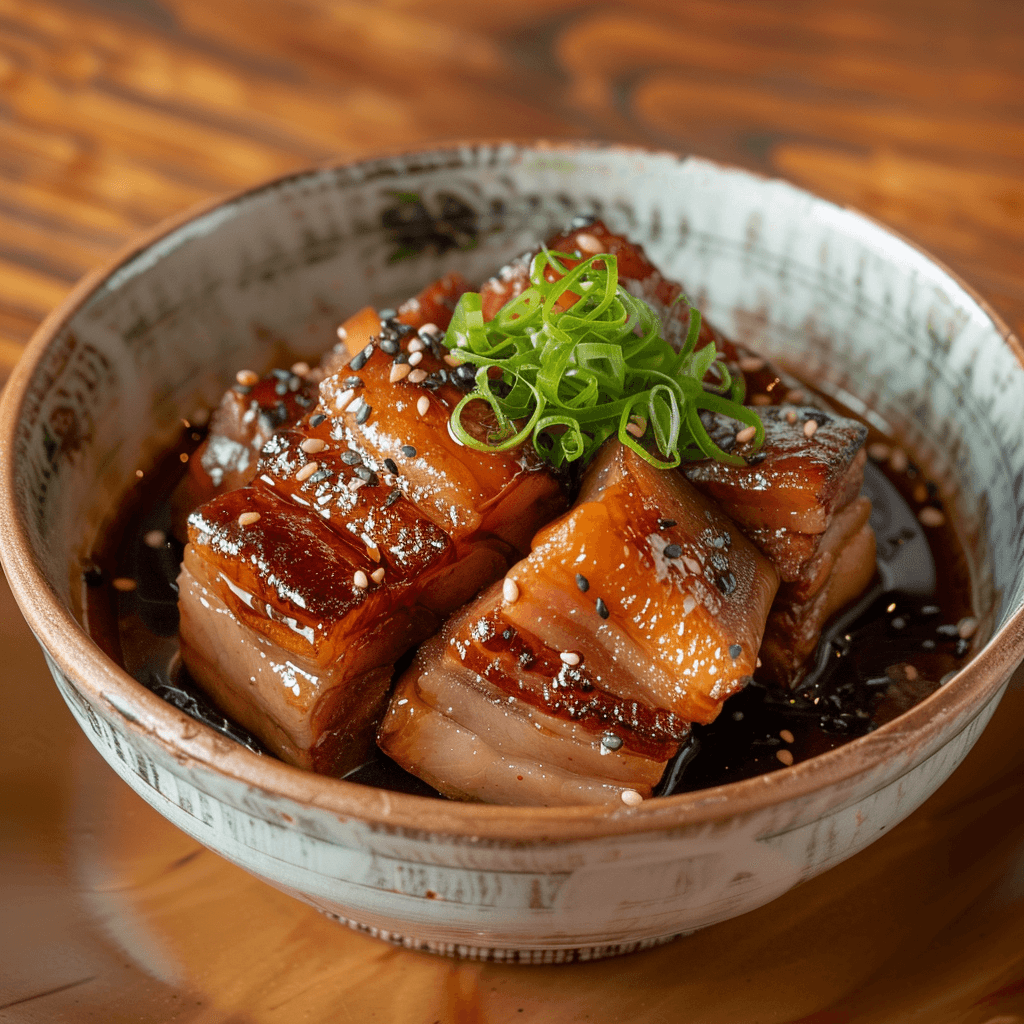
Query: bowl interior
pixel 855 310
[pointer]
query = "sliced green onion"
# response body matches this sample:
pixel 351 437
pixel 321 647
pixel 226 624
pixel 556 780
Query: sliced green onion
pixel 581 359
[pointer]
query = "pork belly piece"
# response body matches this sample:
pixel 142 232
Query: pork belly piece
pixel 636 614
pixel 799 501
pixel 393 403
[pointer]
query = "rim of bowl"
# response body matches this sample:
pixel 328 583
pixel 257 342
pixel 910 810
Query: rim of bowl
pixel 142 711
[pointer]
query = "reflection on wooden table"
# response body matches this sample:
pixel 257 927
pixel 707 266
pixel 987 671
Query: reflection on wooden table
pixel 117 113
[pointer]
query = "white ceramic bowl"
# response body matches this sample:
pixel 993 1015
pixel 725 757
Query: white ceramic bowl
pixel 161 330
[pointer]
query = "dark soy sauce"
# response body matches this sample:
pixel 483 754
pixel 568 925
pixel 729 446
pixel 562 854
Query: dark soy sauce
pixel 906 636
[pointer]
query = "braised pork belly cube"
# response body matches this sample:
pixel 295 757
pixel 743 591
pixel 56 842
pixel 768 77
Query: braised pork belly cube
pixel 799 501
pixel 636 614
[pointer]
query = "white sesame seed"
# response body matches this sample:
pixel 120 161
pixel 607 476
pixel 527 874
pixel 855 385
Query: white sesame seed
pixel 751 364
pixel 430 329
pixel 399 371
pixel 929 516
pixel 510 591
pixel 758 665
pixel 342 399
pixel 879 451
pixel 589 243
pixel 791 416
pixel 416 358
pixel 746 434
pixel 342 333
pixel 569 657
pixel 360 579
pixel 785 756
pixel 300 369
pixel 967 627
pixel 631 798
pixel 124 584
pixel 423 405
pixel 312 445
pixel 248 518
pixel 910 672
pixel 247 378
pixel 787 736
pixel 452 360
pixel 899 461
pixel 810 427
pixel 373 551
pixel 377 575
pixel 155 538
pixel 418 376
pixel 416 345
pixel 307 471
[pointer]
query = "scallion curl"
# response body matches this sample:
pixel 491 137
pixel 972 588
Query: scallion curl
pixel 582 359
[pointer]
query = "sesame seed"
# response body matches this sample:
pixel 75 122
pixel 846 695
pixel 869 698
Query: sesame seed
pixel 389 346
pixel 735 650
pixel 423 405
pixel 787 736
pixel 316 419
pixel 124 584
pixel 673 550
pixel 602 608
pixel 510 590
pixel 796 397
pixel 967 627
pixel 898 461
pixel 758 663
pixel 312 445
pixel 582 582
pixel 247 378
pixel 631 798
pixel 569 657
pixel 300 369
pixel 418 376
pixel 751 364
pixel 377 575
pixel 666 524
pixel 155 538
pixel 391 466
pixel 452 360
pixel 248 518
pixel 910 673
pixel 415 358
pixel 791 416
pixel 416 345
pixel 399 371
pixel 408 451
pixel 351 458
pixel 342 333
pixel 358 361
pixel 364 413
pixel 589 243
pixel 611 742
pixel 373 551
pixel 930 516
pixel 307 471
pixel 360 579
pixel 367 475
pixel 879 451
pixel 785 756
pixel 392 497
pixel 431 329
pixel 810 427
pixel 746 434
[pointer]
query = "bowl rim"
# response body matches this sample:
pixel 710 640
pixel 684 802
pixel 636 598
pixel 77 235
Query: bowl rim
pixel 191 743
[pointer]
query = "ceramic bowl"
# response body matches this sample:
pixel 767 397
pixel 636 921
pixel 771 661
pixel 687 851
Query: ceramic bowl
pixel 160 331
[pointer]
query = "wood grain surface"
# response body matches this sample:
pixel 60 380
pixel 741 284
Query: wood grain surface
pixel 117 113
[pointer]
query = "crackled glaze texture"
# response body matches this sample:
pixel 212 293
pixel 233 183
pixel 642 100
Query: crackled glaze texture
pixel 868 317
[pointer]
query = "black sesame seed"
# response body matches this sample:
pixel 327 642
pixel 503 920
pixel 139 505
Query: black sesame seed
pixel 359 359
pixel 351 458
pixel 582 582
pixel 366 474
pixel 320 476
pixel 962 647
pixel 756 459
pixel 388 345
pixel 280 374
pixel 266 421
pixel 391 466
pixel 241 389
pixel 465 375
pixel 281 412
pixel 305 402
pixel 281 388
pixel 317 419
pixel 930 609
pixel 392 498
pixel 401 358
pixel 399 328
pixel 602 608
pixel 673 550
pixel 294 384
pixel 364 413
pixel 735 650
pixel 726 584
pixel 408 451
pixel 93 576
pixel 666 524
pixel 898 622
pixel 928 645
pixel 949 631
pixel 611 742
pixel 878 681
pixel 387 314
pixel 351 383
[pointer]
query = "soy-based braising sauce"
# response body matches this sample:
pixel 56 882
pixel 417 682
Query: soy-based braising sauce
pixel 907 635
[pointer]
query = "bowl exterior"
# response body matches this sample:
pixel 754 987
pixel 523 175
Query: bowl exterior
pixel 868 317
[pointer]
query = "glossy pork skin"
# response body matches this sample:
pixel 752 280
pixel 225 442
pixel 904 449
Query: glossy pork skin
pixel 637 613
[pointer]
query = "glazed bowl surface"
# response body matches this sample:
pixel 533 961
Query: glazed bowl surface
pixel 160 332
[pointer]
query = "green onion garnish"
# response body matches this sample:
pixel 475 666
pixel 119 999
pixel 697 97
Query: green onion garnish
pixel 571 377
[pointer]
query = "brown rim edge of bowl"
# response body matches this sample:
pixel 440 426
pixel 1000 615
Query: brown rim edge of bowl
pixel 80 658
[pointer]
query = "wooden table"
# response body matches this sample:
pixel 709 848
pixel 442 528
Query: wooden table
pixel 117 113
